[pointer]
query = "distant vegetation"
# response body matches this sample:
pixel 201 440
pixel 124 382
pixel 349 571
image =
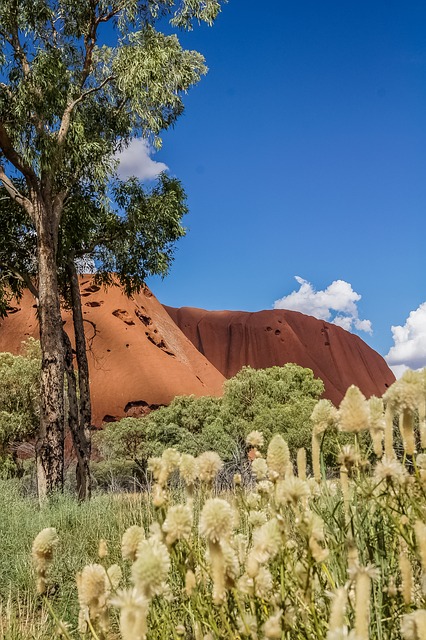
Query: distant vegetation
pixel 19 403
pixel 275 400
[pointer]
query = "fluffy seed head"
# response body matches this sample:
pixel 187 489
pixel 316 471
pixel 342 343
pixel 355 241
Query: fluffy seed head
pixel 113 577
pixel 413 625
pixel 247 625
pixel 319 553
pixel 216 520
pixel 420 531
pixel 266 541
pixel 263 583
pixel 133 612
pixel 278 456
pixel 265 486
pixel 377 416
pixel 188 468
pixel 257 518
pixel 155 466
pixel 239 543
pixel 102 549
pixel 190 582
pixel 391 470
pixel 301 463
pixel 406 393
pixel 272 627
pixel 336 625
pixel 43 547
pixel 178 523
pixel 253 500
pixel 291 490
pixel 324 416
pixel 354 414
pixel 255 439
pixel 421 460
pixel 209 464
pixel 151 567
pixel 348 457
pixel 406 571
pixel 171 459
pixel 259 468
pixel 130 542
pixel 163 467
pixel 92 588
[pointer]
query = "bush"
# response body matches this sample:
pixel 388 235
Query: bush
pixel 19 402
pixel 279 399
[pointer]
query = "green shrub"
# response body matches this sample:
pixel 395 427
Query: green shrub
pixel 19 402
pixel 275 400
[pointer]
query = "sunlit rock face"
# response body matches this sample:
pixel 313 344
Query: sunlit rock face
pixel 138 358
pixel 232 339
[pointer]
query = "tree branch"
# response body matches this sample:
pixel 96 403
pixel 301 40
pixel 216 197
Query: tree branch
pixel 91 38
pixel 66 118
pixel 14 193
pixel 58 202
pixel 6 89
pixel 19 50
pixel 23 277
pixel 89 43
pixel 13 156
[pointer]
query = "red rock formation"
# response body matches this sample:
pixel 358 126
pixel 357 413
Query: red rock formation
pixel 138 358
pixel 232 339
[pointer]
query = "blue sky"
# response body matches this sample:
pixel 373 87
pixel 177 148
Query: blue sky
pixel 303 153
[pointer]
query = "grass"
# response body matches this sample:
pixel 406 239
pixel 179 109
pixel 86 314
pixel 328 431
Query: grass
pixel 80 527
pixel 286 557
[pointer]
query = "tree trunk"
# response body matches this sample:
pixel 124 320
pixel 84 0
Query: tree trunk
pixel 85 409
pixel 50 443
pixel 78 438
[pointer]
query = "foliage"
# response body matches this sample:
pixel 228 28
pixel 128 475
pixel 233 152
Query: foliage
pixel 79 81
pixel 255 398
pixel 287 557
pixel 19 399
pixel 273 400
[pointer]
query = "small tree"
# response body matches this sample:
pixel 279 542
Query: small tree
pixel 19 398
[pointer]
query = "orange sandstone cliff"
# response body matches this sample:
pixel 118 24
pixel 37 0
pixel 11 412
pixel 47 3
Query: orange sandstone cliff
pixel 232 339
pixel 138 358
pixel 141 354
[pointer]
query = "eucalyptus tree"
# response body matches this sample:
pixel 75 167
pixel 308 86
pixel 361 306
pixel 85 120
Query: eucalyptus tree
pixel 79 79
pixel 130 234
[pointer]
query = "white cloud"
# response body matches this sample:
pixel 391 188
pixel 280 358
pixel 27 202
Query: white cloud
pixel 135 160
pixel 409 349
pixel 336 304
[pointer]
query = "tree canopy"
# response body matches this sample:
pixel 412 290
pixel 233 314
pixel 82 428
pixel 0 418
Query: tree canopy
pixel 79 79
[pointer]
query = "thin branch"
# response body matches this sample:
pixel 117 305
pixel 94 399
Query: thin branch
pixel 66 118
pixel 23 277
pixel 14 157
pixel 91 37
pixel 14 41
pixel 89 43
pixel 58 202
pixel 14 192
pixel 30 286
pixel 7 89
